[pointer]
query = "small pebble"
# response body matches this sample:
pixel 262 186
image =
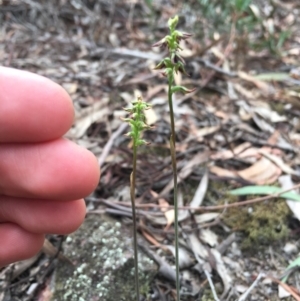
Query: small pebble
pixel 290 248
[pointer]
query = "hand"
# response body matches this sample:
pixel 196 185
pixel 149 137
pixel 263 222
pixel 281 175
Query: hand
pixel 43 177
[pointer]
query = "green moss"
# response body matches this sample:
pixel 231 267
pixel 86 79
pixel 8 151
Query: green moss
pixel 262 223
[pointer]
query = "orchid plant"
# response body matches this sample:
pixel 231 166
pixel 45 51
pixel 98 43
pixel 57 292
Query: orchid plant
pixel 137 122
pixel 172 64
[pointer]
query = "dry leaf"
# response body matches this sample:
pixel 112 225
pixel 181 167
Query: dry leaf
pixel 266 88
pixel 152 91
pixel 155 237
pixel 262 124
pixel 197 247
pixel 200 192
pixel 261 172
pixel 178 78
pixel 163 204
pixel 228 154
pixel 114 39
pixel 269 114
pixel 94 113
pixel 252 152
pixel 170 215
pixel 278 161
pixel 150 238
pixel 274 137
pixel 222 271
pixel 207 131
pixel 158 220
pixel 184 257
pixel 209 237
pixel 206 217
pixel 222 115
pixel 187 170
pixel 127 97
pixel 221 172
pixel 246 93
pixel 282 293
pixel 151 116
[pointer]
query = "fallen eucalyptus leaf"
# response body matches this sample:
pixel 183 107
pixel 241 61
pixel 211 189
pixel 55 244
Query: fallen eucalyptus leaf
pixel 265 190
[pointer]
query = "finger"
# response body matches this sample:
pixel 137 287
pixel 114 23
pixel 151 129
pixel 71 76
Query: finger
pixel 59 169
pixel 43 216
pixel 17 244
pixel 32 107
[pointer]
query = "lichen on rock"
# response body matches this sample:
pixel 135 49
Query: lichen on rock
pixel 104 269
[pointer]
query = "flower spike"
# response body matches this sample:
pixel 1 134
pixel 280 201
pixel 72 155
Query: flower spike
pixel 137 121
pixel 175 62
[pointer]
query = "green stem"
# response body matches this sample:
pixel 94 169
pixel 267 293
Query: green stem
pixel 135 247
pixel 174 166
pixel 171 111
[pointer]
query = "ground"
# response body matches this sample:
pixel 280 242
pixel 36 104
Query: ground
pixel 239 127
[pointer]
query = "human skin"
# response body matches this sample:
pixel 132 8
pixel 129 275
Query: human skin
pixel 43 177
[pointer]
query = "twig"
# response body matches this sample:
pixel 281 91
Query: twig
pixel 285 286
pixel 218 207
pixel 127 53
pixel 216 68
pixel 212 287
pixel 165 269
pixel 248 202
pixel 247 292
pixel 116 206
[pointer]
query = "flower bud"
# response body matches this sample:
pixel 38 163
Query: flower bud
pixel 182 89
pixel 180 68
pixel 186 35
pixel 182 36
pixel 162 43
pixel 176 58
pixel 172 23
pixel 160 65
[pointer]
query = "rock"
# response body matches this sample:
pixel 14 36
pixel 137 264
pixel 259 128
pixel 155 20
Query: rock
pixel 104 268
pixel 290 248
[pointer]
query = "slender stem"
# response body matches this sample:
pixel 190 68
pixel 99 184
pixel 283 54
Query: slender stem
pixel 171 111
pixel 132 195
pixel 174 166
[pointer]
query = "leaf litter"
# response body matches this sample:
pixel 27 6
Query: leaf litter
pixel 238 128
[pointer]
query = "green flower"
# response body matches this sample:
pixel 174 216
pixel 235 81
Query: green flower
pixel 175 62
pixel 137 121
